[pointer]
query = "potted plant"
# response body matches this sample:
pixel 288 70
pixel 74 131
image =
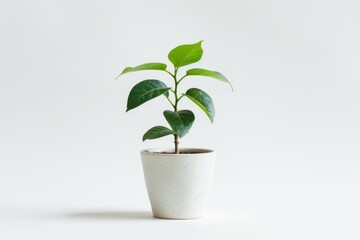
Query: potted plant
pixel 177 180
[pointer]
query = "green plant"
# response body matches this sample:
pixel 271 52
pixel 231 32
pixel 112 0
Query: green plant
pixel 180 121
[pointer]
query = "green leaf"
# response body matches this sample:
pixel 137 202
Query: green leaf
pixel 203 100
pixel 157 132
pixel 145 91
pixel 180 121
pixel 146 66
pixel 208 73
pixel 185 54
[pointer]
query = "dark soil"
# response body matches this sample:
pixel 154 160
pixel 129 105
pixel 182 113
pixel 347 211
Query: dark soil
pixel 182 152
pixel 179 153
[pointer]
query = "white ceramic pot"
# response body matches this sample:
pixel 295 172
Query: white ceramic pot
pixel 178 184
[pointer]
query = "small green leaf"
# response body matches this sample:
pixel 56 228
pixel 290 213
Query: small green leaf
pixel 208 73
pixel 157 132
pixel 180 121
pixel 145 91
pixel 185 54
pixel 203 100
pixel 146 66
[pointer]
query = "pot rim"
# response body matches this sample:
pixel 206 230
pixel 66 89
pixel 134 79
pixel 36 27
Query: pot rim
pixel 194 151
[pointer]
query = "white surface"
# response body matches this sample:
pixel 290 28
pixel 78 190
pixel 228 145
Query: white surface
pixel 178 185
pixel 293 118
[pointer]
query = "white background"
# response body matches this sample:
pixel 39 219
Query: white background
pixel 287 138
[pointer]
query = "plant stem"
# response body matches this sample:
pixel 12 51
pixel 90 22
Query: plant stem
pixel 170 101
pixel 176 141
pixel 176 137
pixel 182 78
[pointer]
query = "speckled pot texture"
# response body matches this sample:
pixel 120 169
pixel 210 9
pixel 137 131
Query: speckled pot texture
pixel 178 184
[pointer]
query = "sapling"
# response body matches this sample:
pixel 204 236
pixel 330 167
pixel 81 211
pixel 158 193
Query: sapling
pixel 180 120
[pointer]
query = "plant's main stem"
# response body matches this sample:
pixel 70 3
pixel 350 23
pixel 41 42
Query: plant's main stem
pixel 176 137
pixel 176 141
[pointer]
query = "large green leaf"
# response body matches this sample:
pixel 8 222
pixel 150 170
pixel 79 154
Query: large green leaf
pixel 208 73
pixel 186 54
pixel 145 91
pixel 157 132
pixel 180 121
pixel 203 100
pixel 146 66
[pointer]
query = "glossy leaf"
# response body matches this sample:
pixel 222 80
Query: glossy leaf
pixel 208 73
pixel 203 100
pixel 185 54
pixel 180 121
pixel 146 66
pixel 157 132
pixel 145 91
